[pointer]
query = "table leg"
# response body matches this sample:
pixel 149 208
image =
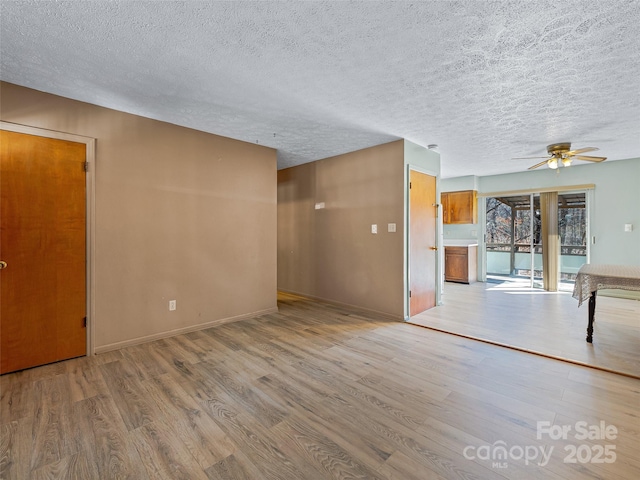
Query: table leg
pixel 592 312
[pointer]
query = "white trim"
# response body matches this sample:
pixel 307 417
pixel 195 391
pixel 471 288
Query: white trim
pixel 511 193
pixel 43 132
pixel 90 144
pixel 532 254
pixel 482 236
pixel 179 331
pixel 591 206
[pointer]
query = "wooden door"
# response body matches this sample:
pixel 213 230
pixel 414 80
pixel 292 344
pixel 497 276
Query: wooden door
pixel 422 242
pixel 43 242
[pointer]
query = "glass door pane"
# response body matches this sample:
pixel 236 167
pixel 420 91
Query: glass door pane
pixel 572 228
pixel 511 239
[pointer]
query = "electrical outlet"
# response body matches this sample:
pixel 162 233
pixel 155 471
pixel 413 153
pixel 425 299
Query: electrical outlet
pixel 172 305
pixel 374 228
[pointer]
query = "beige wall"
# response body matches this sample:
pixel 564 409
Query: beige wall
pixel 180 214
pixel 330 253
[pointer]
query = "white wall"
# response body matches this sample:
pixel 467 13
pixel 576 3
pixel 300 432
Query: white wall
pixel 422 158
pixel 455 184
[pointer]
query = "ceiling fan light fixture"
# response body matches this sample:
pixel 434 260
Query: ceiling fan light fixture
pixel 561 155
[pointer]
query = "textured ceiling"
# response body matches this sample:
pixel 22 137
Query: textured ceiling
pixel 486 81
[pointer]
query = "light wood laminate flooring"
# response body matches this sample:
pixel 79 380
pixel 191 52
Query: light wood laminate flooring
pixel 542 322
pixel 313 392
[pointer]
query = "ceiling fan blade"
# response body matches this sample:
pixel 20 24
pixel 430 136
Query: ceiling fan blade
pixel 590 159
pixel 527 158
pixel 538 165
pixel 582 150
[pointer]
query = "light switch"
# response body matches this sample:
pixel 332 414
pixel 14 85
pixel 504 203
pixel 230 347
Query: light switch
pixel 374 228
pixel 319 205
pixel 628 227
pixel 391 227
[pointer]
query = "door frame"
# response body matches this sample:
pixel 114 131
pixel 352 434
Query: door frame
pixel 90 144
pixel 439 238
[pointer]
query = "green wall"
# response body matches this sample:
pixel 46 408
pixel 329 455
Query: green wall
pixel 616 202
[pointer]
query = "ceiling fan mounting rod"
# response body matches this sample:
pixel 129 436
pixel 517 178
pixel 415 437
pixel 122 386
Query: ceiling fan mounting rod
pixel 559 148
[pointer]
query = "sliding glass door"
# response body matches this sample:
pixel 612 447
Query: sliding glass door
pixel 514 243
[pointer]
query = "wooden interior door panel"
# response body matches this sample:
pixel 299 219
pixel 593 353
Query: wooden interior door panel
pixel 422 240
pixel 43 242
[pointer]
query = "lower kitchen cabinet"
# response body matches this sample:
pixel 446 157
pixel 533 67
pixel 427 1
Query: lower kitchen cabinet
pixel 461 264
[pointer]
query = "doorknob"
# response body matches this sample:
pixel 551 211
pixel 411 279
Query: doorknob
pixel 433 248
pixel 3 265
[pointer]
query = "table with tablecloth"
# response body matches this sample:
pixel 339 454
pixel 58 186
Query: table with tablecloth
pixel 594 277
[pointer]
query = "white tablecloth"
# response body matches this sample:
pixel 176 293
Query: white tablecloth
pixel 594 277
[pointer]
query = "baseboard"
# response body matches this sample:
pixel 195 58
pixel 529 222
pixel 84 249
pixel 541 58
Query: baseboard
pixel 179 331
pixel 395 318
pixel 617 293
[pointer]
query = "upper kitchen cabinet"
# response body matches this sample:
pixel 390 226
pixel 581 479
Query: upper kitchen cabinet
pixel 459 207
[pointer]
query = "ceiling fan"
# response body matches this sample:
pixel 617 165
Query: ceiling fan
pixel 561 154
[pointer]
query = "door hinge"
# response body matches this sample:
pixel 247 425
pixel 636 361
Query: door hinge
pixel 86 166
pixel 409 293
pixel 84 322
pixel 409 185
